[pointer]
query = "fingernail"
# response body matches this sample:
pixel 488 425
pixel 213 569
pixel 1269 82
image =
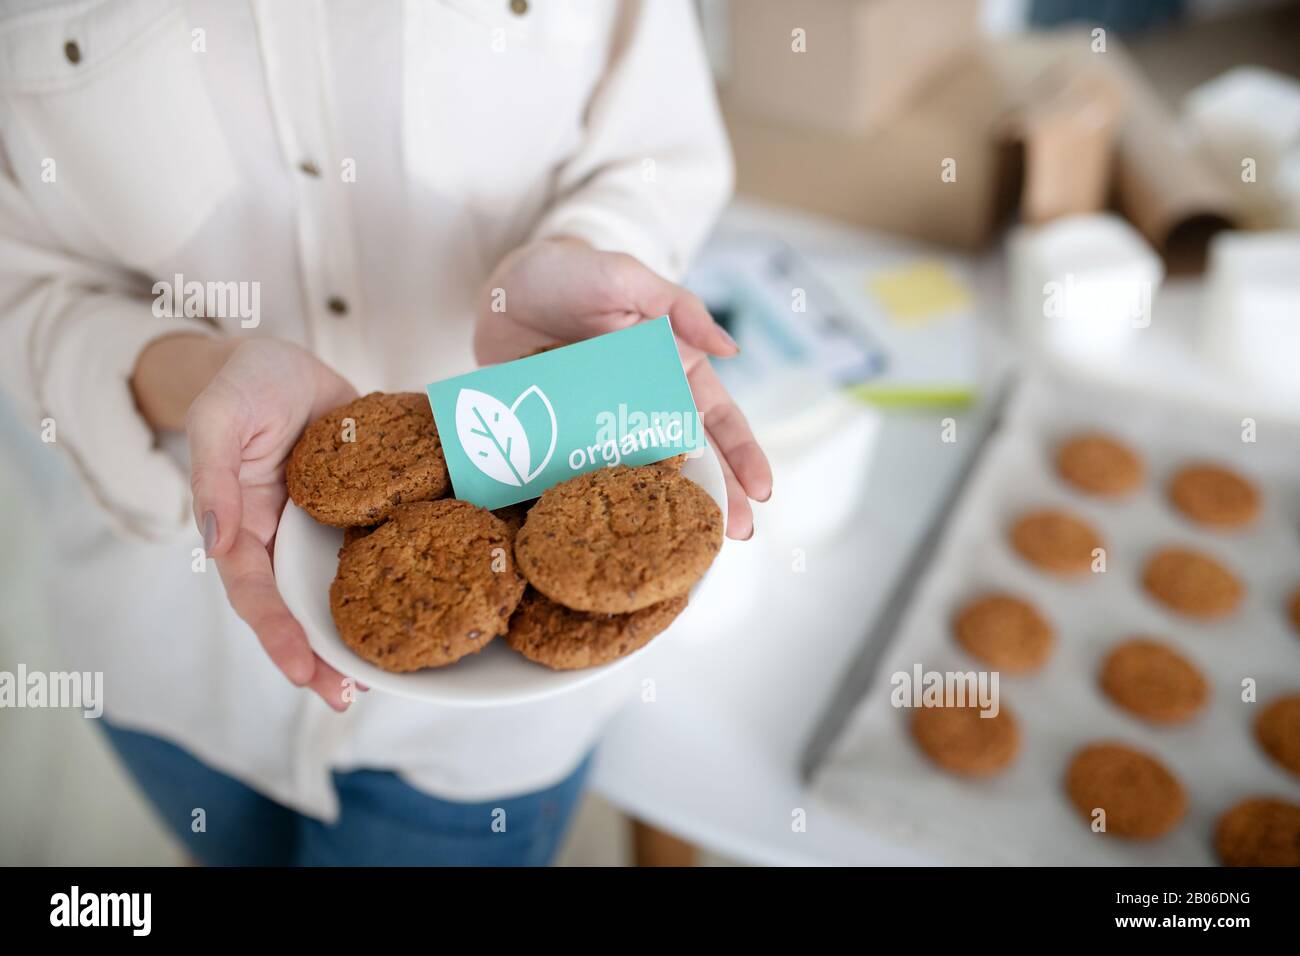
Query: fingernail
pixel 735 347
pixel 209 531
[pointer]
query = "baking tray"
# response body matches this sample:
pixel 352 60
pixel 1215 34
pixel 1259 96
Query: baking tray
pixel 873 772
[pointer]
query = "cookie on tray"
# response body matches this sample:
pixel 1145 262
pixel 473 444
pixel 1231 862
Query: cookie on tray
pixel 963 741
pixel 1142 800
pixel 562 639
pixel 617 540
pixel 1278 731
pixel 425 588
pixel 347 473
pixel 1259 831
pixel 1005 632
pixel 1191 583
pixel 1055 541
pixel 1153 681
pixel 1099 465
pixel 1215 496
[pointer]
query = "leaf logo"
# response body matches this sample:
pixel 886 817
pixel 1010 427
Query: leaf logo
pixel 493 437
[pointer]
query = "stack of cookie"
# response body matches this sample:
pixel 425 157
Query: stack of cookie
pixel 604 561
pixel 1119 789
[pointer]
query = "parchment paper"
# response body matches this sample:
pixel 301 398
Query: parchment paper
pixel 875 773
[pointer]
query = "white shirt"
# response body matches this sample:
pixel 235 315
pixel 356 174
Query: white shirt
pixel 380 156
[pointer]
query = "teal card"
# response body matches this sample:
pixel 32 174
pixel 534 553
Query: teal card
pixel 511 431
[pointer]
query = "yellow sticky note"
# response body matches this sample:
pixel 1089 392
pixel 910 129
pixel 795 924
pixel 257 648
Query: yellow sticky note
pixel 917 291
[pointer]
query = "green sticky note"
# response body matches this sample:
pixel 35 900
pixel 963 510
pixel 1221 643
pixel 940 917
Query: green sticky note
pixel 511 431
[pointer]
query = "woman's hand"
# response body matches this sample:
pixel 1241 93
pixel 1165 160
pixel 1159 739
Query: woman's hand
pixel 562 290
pixel 241 429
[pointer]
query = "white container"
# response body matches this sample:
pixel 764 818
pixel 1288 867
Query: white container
pixel 820 462
pixel 1082 286
pixel 1247 120
pixel 1251 326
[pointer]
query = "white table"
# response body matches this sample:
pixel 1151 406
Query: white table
pixel 714 759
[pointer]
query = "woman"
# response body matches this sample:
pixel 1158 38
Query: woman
pixel 222 219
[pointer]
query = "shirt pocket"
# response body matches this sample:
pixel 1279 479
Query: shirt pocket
pixel 114 95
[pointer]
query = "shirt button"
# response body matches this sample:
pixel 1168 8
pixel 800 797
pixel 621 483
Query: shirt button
pixel 72 52
pixel 337 305
pixel 308 168
pixel 519 7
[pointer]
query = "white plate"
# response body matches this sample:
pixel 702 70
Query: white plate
pixel 306 557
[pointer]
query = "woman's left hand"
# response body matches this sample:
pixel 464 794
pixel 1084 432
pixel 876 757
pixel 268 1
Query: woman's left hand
pixel 562 290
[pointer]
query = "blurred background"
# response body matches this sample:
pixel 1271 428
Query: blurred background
pixel 934 198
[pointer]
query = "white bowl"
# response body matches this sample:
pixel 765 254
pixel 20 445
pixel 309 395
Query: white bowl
pixel 306 558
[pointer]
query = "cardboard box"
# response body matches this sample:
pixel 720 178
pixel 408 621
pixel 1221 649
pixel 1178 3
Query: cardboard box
pixel 894 179
pixel 841 66
pixel 1036 123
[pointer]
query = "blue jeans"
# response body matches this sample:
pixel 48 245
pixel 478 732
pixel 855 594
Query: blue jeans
pixel 382 820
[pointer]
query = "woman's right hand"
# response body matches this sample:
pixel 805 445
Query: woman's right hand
pixel 241 429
